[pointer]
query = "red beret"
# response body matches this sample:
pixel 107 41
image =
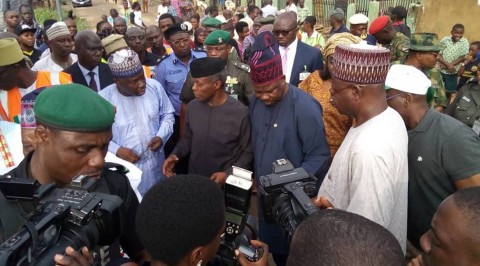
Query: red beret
pixel 378 24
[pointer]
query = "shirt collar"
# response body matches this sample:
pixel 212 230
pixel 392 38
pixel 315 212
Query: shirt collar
pixel 292 46
pixel 86 71
pixel 426 121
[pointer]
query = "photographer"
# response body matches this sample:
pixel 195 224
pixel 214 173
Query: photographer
pixel 72 136
pixel 181 220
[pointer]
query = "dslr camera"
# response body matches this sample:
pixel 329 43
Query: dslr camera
pixel 285 196
pixel 70 216
pixel 240 226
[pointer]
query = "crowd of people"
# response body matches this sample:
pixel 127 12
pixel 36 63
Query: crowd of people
pixel 159 114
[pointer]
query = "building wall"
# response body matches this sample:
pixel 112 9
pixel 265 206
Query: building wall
pixel 438 16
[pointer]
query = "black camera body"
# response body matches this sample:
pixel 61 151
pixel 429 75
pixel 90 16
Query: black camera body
pixel 70 216
pixel 285 196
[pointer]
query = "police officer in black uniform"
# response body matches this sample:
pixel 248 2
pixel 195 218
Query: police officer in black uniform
pixel 72 137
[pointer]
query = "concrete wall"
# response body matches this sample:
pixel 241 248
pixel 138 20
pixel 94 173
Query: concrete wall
pixel 439 16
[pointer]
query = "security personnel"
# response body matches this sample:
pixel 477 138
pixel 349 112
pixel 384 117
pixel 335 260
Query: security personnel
pixel 17 79
pixel 382 29
pixel 211 24
pixel 358 27
pixel 238 84
pixel 74 128
pixel 172 71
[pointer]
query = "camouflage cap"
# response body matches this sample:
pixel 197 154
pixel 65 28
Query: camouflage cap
pixel 424 42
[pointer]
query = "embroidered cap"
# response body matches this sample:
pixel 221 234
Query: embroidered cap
pixel 58 29
pixel 265 61
pixel 361 63
pixel 124 64
pixel 27 115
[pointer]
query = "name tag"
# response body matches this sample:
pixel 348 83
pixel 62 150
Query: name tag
pixel 304 75
pixel 466 98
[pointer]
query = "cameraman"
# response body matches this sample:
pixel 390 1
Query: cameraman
pixel 181 220
pixel 72 136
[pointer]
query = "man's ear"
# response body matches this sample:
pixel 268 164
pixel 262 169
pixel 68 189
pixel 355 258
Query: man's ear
pixel 218 85
pixel 196 256
pixel 42 133
pixel 407 99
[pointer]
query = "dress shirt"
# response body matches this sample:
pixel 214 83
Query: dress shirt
pixel 87 77
pixel 292 50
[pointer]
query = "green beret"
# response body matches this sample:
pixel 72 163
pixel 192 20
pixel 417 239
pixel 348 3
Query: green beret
pixel 217 37
pixel 73 107
pixel 212 23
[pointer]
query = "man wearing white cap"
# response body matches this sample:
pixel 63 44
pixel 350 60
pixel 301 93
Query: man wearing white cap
pixel 358 27
pixel 443 153
pixel 61 44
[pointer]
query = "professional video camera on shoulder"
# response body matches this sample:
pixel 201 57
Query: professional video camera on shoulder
pixel 71 216
pixel 240 226
pixel 285 196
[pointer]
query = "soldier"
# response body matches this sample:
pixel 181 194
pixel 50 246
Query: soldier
pixel 211 24
pixel 423 52
pixel 386 35
pixel 238 84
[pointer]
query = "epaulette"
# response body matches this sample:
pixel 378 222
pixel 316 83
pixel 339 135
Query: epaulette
pixel 242 66
pixel 115 167
pixel 163 58
pixel 201 50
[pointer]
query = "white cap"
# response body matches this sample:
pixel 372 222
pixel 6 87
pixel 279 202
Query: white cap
pixel 358 19
pixel 408 79
pixel 188 24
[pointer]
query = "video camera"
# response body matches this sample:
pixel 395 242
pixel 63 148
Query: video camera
pixel 70 216
pixel 240 226
pixel 285 196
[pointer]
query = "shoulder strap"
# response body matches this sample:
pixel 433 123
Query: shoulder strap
pixel 55 78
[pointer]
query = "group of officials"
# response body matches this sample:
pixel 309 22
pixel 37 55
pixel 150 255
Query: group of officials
pixel 203 113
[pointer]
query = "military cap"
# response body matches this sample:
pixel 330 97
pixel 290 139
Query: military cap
pixel 175 29
pixel 267 20
pixel 212 23
pixel 10 51
pixel 73 107
pixel 424 42
pixel 217 37
pixel 207 66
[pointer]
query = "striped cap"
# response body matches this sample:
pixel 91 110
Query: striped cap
pixel 124 64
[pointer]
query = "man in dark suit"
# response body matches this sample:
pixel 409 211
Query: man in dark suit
pixel 298 58
pixel 89 71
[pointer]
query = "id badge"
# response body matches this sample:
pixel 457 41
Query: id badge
pixel 304 75
pixel 235 96
pixel 476 127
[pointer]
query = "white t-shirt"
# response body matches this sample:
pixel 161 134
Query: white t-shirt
pixel 293 8
pixel 138 17
pixel 369 173
pixel 269 10
pixel 47 64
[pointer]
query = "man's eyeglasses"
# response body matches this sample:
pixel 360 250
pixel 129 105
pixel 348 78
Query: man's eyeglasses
pixel 395 95
pixel 181 41
pixel 283 32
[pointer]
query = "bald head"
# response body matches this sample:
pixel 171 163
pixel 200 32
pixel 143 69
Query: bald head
pixel 120 25
pixel 152 29
pixel 290 17
pixel 136 39
pixel 285 28
pixel 134 31
pixel 227 14
pixel 154 37
pixel 85 36
pixel 88 48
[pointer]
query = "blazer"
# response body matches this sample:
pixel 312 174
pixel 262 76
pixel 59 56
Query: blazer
pixel 305 55
pixel 104 73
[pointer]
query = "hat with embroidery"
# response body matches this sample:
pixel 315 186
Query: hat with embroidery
pixel 58 29
pixel 265 61
pixel 407 79
pixel 175 29
pixel 378 24
pixel 361 63
pixel 207 66
pixel 217 37
pixel 114 42
pixel 358 19
pixel 124 64
pixel 73 107
pixel 10 51
pixel 27 114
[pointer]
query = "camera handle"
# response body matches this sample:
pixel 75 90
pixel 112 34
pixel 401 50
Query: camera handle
pixel 299 194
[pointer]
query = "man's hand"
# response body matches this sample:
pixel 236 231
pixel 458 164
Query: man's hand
pixel 155 143
pixel 168 165
pixel 450 67
pixel 127 154
pixel 263 261
pixel 219 177
pixel 416 261
pixel 74 258
pixel 322 203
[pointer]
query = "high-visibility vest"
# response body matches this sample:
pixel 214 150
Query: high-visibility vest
pixel 14 97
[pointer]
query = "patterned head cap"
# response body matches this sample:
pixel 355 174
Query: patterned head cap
pixel 27 118
pixel 124 64
pixel 265 61
pixel 58 29
pixel 424 42
pixel 361 63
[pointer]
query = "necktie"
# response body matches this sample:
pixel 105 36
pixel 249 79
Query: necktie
pixel 284 61
pixel 93 83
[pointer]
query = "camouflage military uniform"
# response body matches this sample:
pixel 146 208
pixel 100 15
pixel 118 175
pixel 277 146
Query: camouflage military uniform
pixel 238 84
pixel 398 47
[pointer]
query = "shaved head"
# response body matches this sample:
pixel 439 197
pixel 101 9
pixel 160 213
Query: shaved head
pixel 85 36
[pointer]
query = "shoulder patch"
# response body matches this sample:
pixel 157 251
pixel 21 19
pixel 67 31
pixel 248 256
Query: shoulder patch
pixel 242 66
pixel 165 56
pixel 200 50
pixel 115 167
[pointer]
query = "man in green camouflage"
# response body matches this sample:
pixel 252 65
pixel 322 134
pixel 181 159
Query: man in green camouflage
pixel 423 52
pixel 382 29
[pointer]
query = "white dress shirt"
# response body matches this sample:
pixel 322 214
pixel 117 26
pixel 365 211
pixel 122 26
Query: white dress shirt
pixel 291 52
pixel 88 78
pixel 269 10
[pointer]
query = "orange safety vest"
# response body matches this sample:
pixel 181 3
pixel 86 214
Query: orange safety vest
pixel 14 97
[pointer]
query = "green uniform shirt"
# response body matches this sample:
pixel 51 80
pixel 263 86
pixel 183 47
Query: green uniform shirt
pixel 398 47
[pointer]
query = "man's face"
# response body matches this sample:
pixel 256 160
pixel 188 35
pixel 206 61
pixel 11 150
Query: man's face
pixel 163 24
pixel 90 52
pixel 271 93
pixel 457 34
pixel 244 32
pixel 340 96
pixel 358 29
pixel 132 86
pixel 120 26
pixel 136 40
pixel 62 45
pixel 105 30
pixel 473 51
pixel 447 241
pixel 396 100
pixel 301 3
pixel 285 30
pixel 255 28
pixel 68 154
pixel 332 21
pixel 204 88
pixel 27 15
pixel 254 14
pixel 27 39
pixel 114 13
pixel 154 39
pixel 180 44
pixel 219 51
pixel 29 140
pixel 12 18
pixel 72 27
pixel 428 59
pixel 386 35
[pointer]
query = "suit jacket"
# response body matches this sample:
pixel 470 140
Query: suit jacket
pixel 104 74
pixel 306 55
